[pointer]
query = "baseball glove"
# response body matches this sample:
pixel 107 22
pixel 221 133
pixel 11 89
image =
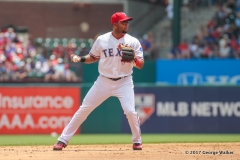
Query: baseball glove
pixel 128 54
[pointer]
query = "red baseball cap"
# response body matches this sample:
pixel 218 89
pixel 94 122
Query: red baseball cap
pixel 120 17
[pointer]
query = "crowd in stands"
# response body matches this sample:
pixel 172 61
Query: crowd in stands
pixel 21 61
pixel 219 38
pixel 149 46
pixel 27 60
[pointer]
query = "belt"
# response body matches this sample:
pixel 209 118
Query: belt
pixel 116 79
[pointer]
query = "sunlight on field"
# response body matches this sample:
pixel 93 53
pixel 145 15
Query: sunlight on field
pixel 11 140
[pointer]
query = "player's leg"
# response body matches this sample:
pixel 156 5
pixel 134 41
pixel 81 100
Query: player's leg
pixel 125 93
pixel 96 95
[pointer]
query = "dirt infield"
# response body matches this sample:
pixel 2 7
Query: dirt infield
pixel 169 151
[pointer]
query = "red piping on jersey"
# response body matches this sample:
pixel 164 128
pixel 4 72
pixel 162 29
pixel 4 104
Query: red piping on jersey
pixel 140 58
pixel 121 36
pixel 94 55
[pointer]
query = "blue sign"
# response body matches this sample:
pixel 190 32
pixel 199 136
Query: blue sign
pixel 187 110
pixel 198 72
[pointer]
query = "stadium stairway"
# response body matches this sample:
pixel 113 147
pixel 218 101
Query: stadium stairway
pixel 190 23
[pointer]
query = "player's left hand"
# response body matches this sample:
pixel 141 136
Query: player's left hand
pixel 128 54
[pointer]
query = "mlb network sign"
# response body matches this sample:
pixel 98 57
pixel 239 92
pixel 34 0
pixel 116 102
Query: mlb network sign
pixel 198 72
pixel 170 109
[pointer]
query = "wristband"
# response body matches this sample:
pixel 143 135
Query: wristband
pixel 83 59
pixel 137 62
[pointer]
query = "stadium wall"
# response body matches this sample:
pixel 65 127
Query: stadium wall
pixel 162 109
pixel 59 19
pixel 67 19
pixel 45 108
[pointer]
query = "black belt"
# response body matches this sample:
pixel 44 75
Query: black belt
pixel 116 79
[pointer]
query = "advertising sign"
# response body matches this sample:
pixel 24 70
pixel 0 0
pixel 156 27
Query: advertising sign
pixel 36 110
pixel 187 109
pixel 198 72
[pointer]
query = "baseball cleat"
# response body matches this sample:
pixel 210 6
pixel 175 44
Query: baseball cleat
pixel 59 146
pixel 137 146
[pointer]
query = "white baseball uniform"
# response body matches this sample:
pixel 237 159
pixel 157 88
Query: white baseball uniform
pixel 110 66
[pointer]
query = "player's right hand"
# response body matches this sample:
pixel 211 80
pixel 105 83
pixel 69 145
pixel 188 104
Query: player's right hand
pixel 75 58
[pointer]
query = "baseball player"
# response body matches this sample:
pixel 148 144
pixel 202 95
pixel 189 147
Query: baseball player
pixel 115 78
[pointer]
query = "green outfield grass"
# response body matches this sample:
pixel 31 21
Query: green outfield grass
pixel 21 140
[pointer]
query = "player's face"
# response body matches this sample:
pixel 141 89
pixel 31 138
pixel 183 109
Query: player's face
pixel 122 26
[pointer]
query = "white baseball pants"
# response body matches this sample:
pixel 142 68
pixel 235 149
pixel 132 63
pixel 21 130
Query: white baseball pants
pixel 102 89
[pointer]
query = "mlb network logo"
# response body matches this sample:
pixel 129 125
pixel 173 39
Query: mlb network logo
pixel 145 106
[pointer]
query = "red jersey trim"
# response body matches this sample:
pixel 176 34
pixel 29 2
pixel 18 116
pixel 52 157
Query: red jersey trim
pixel 94 55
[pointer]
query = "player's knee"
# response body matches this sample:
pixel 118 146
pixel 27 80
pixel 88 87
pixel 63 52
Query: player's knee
pixel 130 113
pixel 84 110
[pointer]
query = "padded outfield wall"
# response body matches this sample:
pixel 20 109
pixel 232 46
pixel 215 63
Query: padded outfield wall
pixel 174 108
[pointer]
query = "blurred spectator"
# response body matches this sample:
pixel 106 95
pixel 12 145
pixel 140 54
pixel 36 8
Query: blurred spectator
pixel 231 4
pixel 224 51
pixel 70 49
pixel 50 74
pixel 184 49
pixel 237 20
pixel 169 10
pixel 195 49
pixel 233 42
pixel 207 50
pixel 175 53
pixel 21 73
pixel 3 72
pixel 58 51
pixel 217 33
pixel 21 61
pixel 69 74
pixel 223 41
pixel 208 37
pixel 149 46
pixel 10 34
pixel 59 69
pixel 219 38
pixel 215 50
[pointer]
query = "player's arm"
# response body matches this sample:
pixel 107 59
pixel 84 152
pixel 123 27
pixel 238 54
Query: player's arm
pixel 138 63
pixel 85 59
pixel 138 54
